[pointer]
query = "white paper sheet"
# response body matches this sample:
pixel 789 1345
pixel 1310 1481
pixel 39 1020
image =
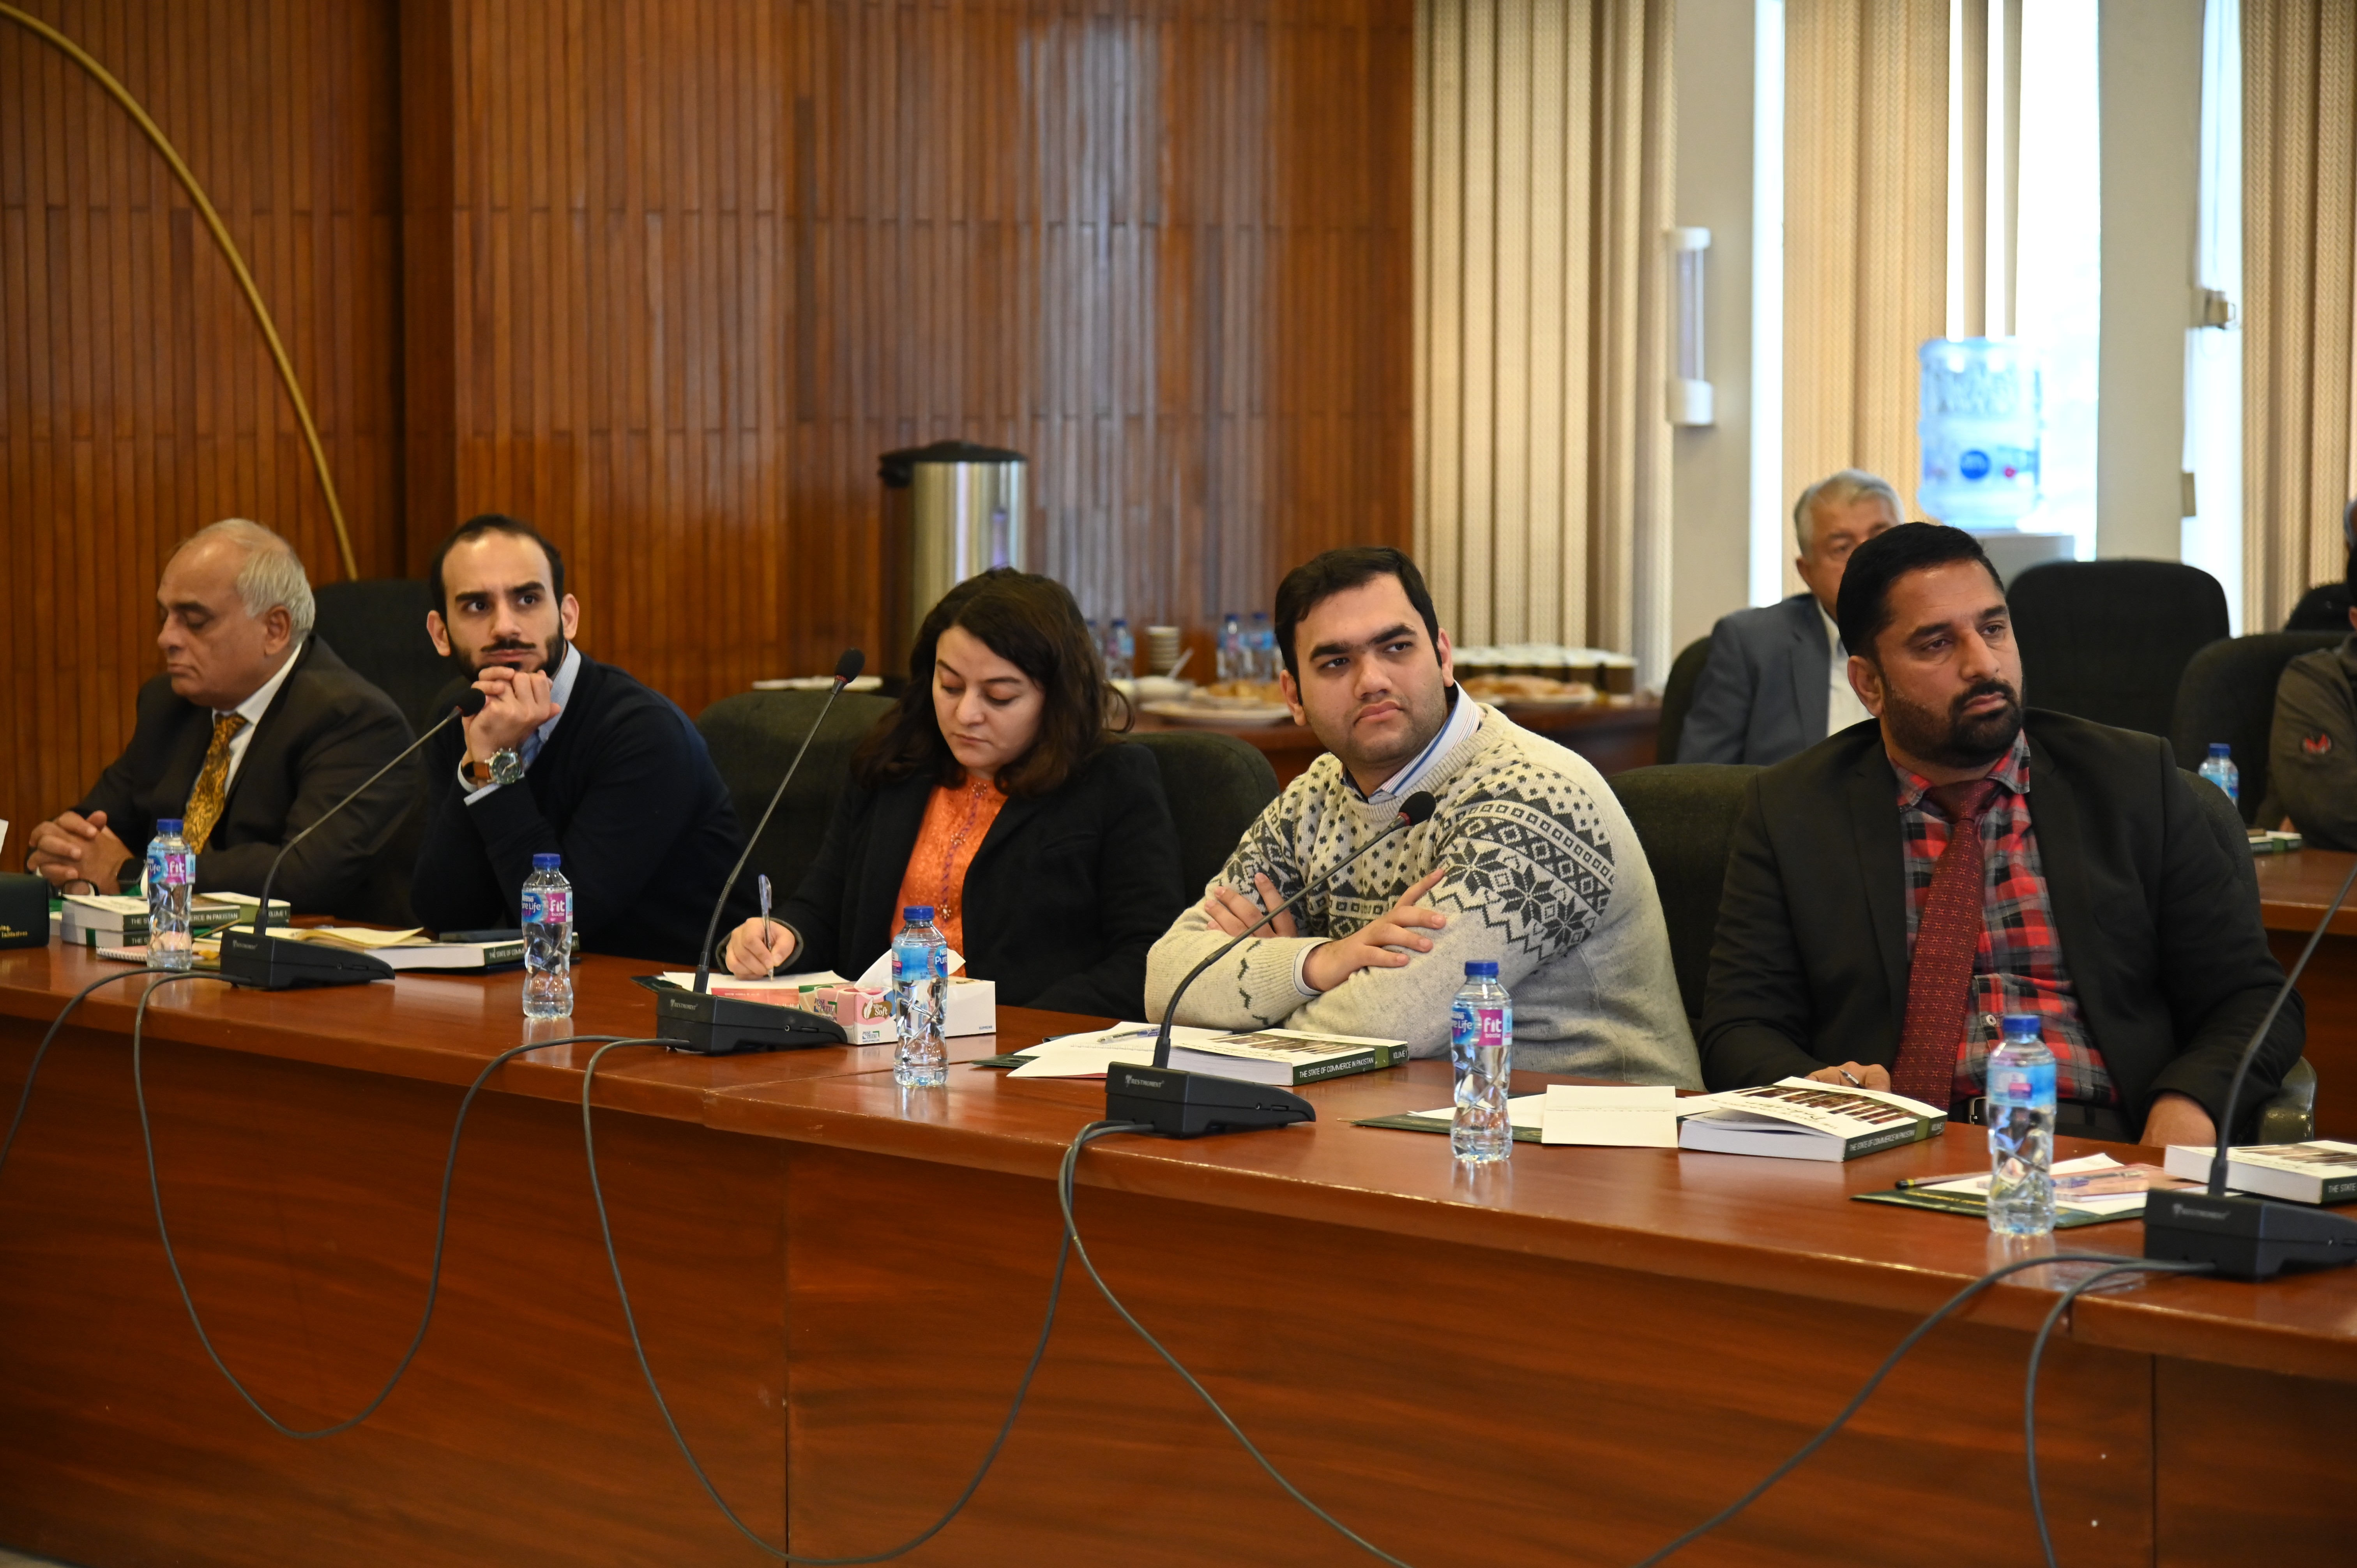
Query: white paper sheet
pixel 1522 1111
pixel 1611 1115
pixel 1092 1055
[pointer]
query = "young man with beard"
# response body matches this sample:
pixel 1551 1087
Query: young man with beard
pixel 1528 860
pixel 1896 890
pixel 569 757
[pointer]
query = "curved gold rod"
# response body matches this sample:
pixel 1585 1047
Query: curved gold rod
pixel 75 52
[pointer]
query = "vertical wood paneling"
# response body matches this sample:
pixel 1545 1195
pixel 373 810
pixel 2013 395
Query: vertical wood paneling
pixel 1160 248
pixel 137 399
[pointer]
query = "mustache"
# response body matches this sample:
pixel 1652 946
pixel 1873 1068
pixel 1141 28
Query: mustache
pixel 512 645
pixel 1991 688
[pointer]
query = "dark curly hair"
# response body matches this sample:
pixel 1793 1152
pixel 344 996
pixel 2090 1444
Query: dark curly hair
pixel 1034 624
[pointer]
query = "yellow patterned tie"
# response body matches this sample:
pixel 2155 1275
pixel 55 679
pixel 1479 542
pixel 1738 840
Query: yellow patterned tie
pixel 205 799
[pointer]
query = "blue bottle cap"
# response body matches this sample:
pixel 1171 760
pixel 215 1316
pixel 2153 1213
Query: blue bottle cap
pixel 917 914
pixel 546 861
pixel 1482 969
pixel 2220 749
pixel 2019 1024
pixel 167 827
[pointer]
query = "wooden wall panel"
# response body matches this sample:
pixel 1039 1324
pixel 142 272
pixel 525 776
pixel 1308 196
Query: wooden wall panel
pixel 138 398
pixel 705 261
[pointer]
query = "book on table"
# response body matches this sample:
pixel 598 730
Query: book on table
pixel 1798 1119
pixel 2321 1170
pixel 119 920
pixel 1283 1057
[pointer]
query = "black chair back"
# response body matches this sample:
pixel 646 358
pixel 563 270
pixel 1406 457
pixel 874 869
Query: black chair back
pixel 2108 640
pixel 753 736
pixel 1218 786
pixel 2228 693
pixel 1684 815
pixel 378 626
pixel 1678 698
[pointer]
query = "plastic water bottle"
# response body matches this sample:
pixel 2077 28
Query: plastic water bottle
pixel 920 997
pixel 1120 651
pixel 1481 1045
pixel 547 939
pixel 1263 642
pixel 2220 769
pixel 2021 1130
pixel 171 883
pixel 1233 661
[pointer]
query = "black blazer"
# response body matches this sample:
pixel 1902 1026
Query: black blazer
pixel 1762 695
pixel 2163 939
pixel 624 791
pixel 322 735
pixel 1064 898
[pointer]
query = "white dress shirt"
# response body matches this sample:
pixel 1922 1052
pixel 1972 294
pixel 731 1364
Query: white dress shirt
pixel 251 711
pixel 560 692
pixel 1842 707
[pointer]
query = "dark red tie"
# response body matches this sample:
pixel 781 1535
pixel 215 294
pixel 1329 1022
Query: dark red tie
pixel 1939 980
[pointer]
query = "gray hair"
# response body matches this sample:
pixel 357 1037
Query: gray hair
pixel 272 573
pixel 1840 489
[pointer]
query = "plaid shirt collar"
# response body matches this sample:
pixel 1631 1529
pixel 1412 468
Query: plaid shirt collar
pixel 2012 771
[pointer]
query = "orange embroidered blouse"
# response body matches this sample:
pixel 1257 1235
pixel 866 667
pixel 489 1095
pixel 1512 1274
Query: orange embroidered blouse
pixel 956 822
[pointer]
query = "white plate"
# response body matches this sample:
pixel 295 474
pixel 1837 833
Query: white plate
pixel 1240 715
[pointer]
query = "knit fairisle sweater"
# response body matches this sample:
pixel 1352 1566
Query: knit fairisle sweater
pixel 1545 876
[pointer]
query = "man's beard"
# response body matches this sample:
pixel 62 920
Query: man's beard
pixel 1952 739
pixel 552 655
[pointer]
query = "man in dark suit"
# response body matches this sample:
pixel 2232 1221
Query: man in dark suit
pixel 254 729
pixel 1775 684
pixel 569 757
pixel 1896 890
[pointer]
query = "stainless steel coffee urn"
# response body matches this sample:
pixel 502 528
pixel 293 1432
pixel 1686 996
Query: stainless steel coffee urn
pixel 950 511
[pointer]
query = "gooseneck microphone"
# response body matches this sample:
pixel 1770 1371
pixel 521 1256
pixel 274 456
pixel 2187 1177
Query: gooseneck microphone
pixel 2247 1237
pixel 258 959
pixel 1189 1104
pixel 716 1026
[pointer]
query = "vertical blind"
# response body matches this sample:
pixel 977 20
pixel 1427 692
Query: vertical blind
pixel 1542 161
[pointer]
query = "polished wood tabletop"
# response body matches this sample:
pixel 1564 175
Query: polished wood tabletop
pixel 2295 889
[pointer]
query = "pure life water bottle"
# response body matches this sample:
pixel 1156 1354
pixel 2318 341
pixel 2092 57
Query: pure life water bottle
pixel 920 997
pixel 1481 1048
pixel 171 881
pixel 2021 1130
pixel 547 939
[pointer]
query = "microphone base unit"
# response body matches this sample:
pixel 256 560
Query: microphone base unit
pixel 706 1025
pixel 1189 1104
pixel 263 962
pixel 2246 1237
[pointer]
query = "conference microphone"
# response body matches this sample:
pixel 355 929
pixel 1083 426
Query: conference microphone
pixel 255 958
pixel 1177 1104
pixel 707 1025
pixel 2242 1237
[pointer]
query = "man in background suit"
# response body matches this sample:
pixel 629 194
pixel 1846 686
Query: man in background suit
pixel 1893 892
pixel 569 757
pixel 1776 682
pixel 254 729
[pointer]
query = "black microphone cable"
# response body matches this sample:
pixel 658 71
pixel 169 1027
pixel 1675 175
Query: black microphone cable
pixel 441 1219
pixel 24 1095
pixel 630 1321
pixel 2119 1269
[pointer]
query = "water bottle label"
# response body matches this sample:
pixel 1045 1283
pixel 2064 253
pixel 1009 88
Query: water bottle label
pixel 531 908
pixel 556 906
pixel 1478 1028
pixel 909 964
pixel 180 867
pixel 2022 1085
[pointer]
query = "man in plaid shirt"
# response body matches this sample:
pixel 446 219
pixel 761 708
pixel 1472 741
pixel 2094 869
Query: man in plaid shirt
pixel 1897 889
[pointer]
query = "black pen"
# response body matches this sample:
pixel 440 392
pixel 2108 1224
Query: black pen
pixel 762 882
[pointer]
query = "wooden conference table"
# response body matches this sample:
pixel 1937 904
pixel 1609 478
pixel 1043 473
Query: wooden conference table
pixel 2294 890
pixel 1568 1360
pixel 1615 735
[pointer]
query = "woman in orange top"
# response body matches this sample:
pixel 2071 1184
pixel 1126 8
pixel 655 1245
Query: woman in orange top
pixel 995 793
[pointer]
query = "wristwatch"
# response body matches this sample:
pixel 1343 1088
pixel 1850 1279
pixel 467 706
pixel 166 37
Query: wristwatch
pixel 505 768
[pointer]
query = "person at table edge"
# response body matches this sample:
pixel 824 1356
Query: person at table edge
pixel 569 757
pixel 2312 743
pixel 1527 860
pixel 994 793
pixel 1894 890
pixel 251 733
pixel 1776 680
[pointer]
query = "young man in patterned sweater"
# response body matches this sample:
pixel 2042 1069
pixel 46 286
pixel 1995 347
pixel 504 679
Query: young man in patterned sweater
pixel 1528 860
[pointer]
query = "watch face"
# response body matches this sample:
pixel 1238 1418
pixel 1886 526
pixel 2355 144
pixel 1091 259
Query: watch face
pixel 507 768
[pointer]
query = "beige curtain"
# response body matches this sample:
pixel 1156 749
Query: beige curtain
pixel 2299 297
pixel 1541 449
pixel 1865 230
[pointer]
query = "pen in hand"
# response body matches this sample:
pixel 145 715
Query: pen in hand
pixel 762 881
